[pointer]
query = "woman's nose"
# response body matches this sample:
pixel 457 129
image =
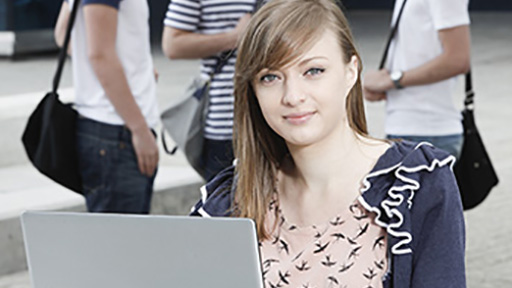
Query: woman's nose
pixel 293 93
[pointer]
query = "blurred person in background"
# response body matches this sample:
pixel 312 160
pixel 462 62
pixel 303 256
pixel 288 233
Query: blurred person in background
pixel 431 47
pixel 207 30
pixel 114 85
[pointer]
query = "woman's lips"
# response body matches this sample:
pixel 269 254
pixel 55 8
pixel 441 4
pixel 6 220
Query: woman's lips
pixel 299 118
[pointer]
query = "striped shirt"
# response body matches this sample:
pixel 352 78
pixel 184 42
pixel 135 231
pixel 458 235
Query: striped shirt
pixel 213 17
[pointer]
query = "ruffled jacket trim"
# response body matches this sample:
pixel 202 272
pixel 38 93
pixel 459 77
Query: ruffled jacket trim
pixel 394 209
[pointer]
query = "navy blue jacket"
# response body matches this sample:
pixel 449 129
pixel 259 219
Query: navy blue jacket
pixel 414 193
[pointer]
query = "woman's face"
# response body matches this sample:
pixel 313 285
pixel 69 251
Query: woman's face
pixel 304 102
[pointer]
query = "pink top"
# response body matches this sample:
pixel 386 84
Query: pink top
pixel 349 251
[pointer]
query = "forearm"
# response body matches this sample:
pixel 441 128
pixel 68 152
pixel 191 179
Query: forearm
pixel 110 73
pixel 59 32
pixel 443 67
pixel 454 60
pixel 195 45
pixel 62 22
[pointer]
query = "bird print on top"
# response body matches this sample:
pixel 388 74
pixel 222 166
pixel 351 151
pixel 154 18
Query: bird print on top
pixel 348 251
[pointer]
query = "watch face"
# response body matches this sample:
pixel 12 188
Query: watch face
pixel 396 75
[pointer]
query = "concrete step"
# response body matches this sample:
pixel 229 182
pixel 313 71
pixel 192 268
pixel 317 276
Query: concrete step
pixel 23 188
pixel 13 43
pixel 16 280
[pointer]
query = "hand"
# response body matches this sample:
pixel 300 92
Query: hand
pixel 374 96
pixel 240 28
pixel 146 150
pixel 378 81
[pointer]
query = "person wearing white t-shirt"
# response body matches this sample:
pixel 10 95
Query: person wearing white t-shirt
pixel 115 85
pixel 431 47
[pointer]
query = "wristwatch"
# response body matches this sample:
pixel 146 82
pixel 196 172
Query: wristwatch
pixel 396 76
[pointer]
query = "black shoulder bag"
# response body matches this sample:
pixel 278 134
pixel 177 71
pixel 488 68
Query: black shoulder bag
pixel 49 137
pixel 474 171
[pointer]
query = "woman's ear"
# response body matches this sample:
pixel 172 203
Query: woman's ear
pixel 352 72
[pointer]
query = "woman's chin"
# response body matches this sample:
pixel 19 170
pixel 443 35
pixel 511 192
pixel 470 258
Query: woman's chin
pixel 301 141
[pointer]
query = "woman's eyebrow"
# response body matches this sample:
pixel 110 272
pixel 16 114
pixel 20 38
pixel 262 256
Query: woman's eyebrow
pixel 262 71
pixel 307 60
pixel 300 64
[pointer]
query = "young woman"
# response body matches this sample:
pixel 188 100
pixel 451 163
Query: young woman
pixel 333 206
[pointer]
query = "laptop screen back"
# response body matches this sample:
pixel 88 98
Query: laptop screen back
pixel 75 250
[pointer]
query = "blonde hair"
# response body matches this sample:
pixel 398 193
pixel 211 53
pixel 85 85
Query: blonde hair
pixel 279 33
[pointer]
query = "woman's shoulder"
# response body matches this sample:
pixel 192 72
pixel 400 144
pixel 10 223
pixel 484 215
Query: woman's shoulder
pixel 428 171
pixel 412 156
pixel 216 195
pixel 412 166
pixel 415 167
pixel 408 180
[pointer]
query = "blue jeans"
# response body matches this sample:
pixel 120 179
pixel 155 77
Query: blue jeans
pixel 450 143
pixel 111 178
pixel 217 155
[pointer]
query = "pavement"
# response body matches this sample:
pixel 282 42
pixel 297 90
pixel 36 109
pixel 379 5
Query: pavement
pixel 488 227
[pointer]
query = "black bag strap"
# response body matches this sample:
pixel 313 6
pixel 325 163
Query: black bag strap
pixel 470 94
pixel 64 50
pixel 392 34
pixel 258 4
pixel 222 60
pixel 224 57
pixel 164 143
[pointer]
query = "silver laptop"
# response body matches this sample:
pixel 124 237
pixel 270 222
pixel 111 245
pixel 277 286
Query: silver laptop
pixel 79 250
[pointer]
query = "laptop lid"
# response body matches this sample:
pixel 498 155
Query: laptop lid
pixel 79 250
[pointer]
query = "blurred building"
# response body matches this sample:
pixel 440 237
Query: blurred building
pixel 26 26
pixel 480 5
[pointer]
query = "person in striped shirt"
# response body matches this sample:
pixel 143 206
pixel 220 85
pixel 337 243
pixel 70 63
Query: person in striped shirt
pixel 207 29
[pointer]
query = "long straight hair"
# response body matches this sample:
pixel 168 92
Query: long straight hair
pixel 279 33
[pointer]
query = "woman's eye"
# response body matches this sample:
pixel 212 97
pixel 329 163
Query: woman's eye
pixel 268 78
pixel 315 71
